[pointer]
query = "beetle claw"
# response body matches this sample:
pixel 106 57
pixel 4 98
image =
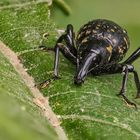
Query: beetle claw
pixel 46 83
pixel 127 101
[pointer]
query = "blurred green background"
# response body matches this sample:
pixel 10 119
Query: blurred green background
pixel 124 12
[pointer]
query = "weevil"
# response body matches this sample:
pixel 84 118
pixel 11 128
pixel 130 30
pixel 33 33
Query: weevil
pixel 98 48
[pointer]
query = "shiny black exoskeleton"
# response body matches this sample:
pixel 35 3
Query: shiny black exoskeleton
pixel 98 48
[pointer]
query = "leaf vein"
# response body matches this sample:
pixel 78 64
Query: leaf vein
pixel 89 118
pixel 88 93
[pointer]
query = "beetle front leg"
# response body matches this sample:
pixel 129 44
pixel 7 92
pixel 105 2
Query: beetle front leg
pixel 67 53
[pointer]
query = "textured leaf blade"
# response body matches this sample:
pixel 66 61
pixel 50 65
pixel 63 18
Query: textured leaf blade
pixel 20 118
pixel 91 111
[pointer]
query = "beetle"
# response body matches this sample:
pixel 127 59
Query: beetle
pixel 98 48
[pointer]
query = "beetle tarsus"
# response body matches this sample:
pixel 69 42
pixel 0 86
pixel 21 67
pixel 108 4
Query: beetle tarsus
pixel 126 70
pixel 127 101
pixel 46 83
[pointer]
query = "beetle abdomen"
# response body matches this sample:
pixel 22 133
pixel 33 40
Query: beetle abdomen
pixel 107 30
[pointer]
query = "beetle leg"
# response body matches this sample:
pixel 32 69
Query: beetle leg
pixel 66 52
pixel 137 82
pixel 123 88
pixel 44 48
pixel 56 63
pixel 135 55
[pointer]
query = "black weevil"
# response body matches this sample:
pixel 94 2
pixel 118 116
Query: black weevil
pixel 98 48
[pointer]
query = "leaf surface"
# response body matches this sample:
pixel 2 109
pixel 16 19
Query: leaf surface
pixel 92 111
pixel 20 118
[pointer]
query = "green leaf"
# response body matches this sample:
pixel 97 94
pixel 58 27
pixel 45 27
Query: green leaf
pixel 20 119
pixel 92 111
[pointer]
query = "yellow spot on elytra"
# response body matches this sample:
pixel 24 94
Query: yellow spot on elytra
pixel 114 41
pixel 99 25
pixel 108 30
pixel 109 57
pixel 84 40
pixel 112 30
pixel 94 31
pixel 88 32
pixel 109 36
pixel 120 50
pixel 124 31
pixel 89 26
pixel 126 42
pixel 78 36
pixel 85 27
pixel 109 49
